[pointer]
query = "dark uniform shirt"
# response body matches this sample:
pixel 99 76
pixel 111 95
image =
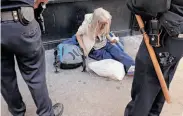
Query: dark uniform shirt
pixel 172 20
pixel 7 4
pixel 170 17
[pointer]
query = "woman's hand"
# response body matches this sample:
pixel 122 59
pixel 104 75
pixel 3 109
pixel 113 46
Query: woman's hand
pixel 113 41
pixel 36 4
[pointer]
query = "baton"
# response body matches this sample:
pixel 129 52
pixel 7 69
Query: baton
pixel 154 60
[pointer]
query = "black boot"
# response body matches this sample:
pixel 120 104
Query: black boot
pixel 58 109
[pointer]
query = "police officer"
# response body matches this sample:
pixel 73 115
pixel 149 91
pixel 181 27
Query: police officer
pixel 146 93
pixel 21 38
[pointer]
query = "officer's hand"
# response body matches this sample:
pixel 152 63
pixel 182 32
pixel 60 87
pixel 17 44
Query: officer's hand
pixel 36 4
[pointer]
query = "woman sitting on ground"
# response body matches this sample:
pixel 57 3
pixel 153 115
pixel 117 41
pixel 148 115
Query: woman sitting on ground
pixel 91 37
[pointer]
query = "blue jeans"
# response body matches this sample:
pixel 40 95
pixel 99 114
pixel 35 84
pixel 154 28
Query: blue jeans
pixel 110 51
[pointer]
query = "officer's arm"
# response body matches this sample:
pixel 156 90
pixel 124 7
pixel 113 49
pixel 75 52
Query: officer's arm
pixel 37 2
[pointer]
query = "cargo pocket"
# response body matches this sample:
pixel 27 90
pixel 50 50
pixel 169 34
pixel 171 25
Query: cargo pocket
pixel 31 38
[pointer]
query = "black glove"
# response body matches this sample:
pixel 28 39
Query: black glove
pixel 84 60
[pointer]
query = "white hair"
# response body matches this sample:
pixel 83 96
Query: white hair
pixel 101 15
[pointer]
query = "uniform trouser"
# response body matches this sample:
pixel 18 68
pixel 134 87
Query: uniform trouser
pixel 24 43
pixel 146 93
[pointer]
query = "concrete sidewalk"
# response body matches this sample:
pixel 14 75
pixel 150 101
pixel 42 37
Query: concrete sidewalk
pixel 83 94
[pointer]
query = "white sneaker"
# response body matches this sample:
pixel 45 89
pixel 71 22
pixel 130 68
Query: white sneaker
pixel 131 71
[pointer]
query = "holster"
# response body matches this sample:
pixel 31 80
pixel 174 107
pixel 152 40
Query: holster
pixel 154 31
pixel 26 15
pixel 39 17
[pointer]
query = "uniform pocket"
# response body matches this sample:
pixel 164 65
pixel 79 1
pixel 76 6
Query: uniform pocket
pixel 31 29
pixel 30 38
pixel 173 23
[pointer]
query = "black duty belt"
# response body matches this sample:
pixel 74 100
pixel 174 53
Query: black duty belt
pixel 9 15
pixel 22 14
